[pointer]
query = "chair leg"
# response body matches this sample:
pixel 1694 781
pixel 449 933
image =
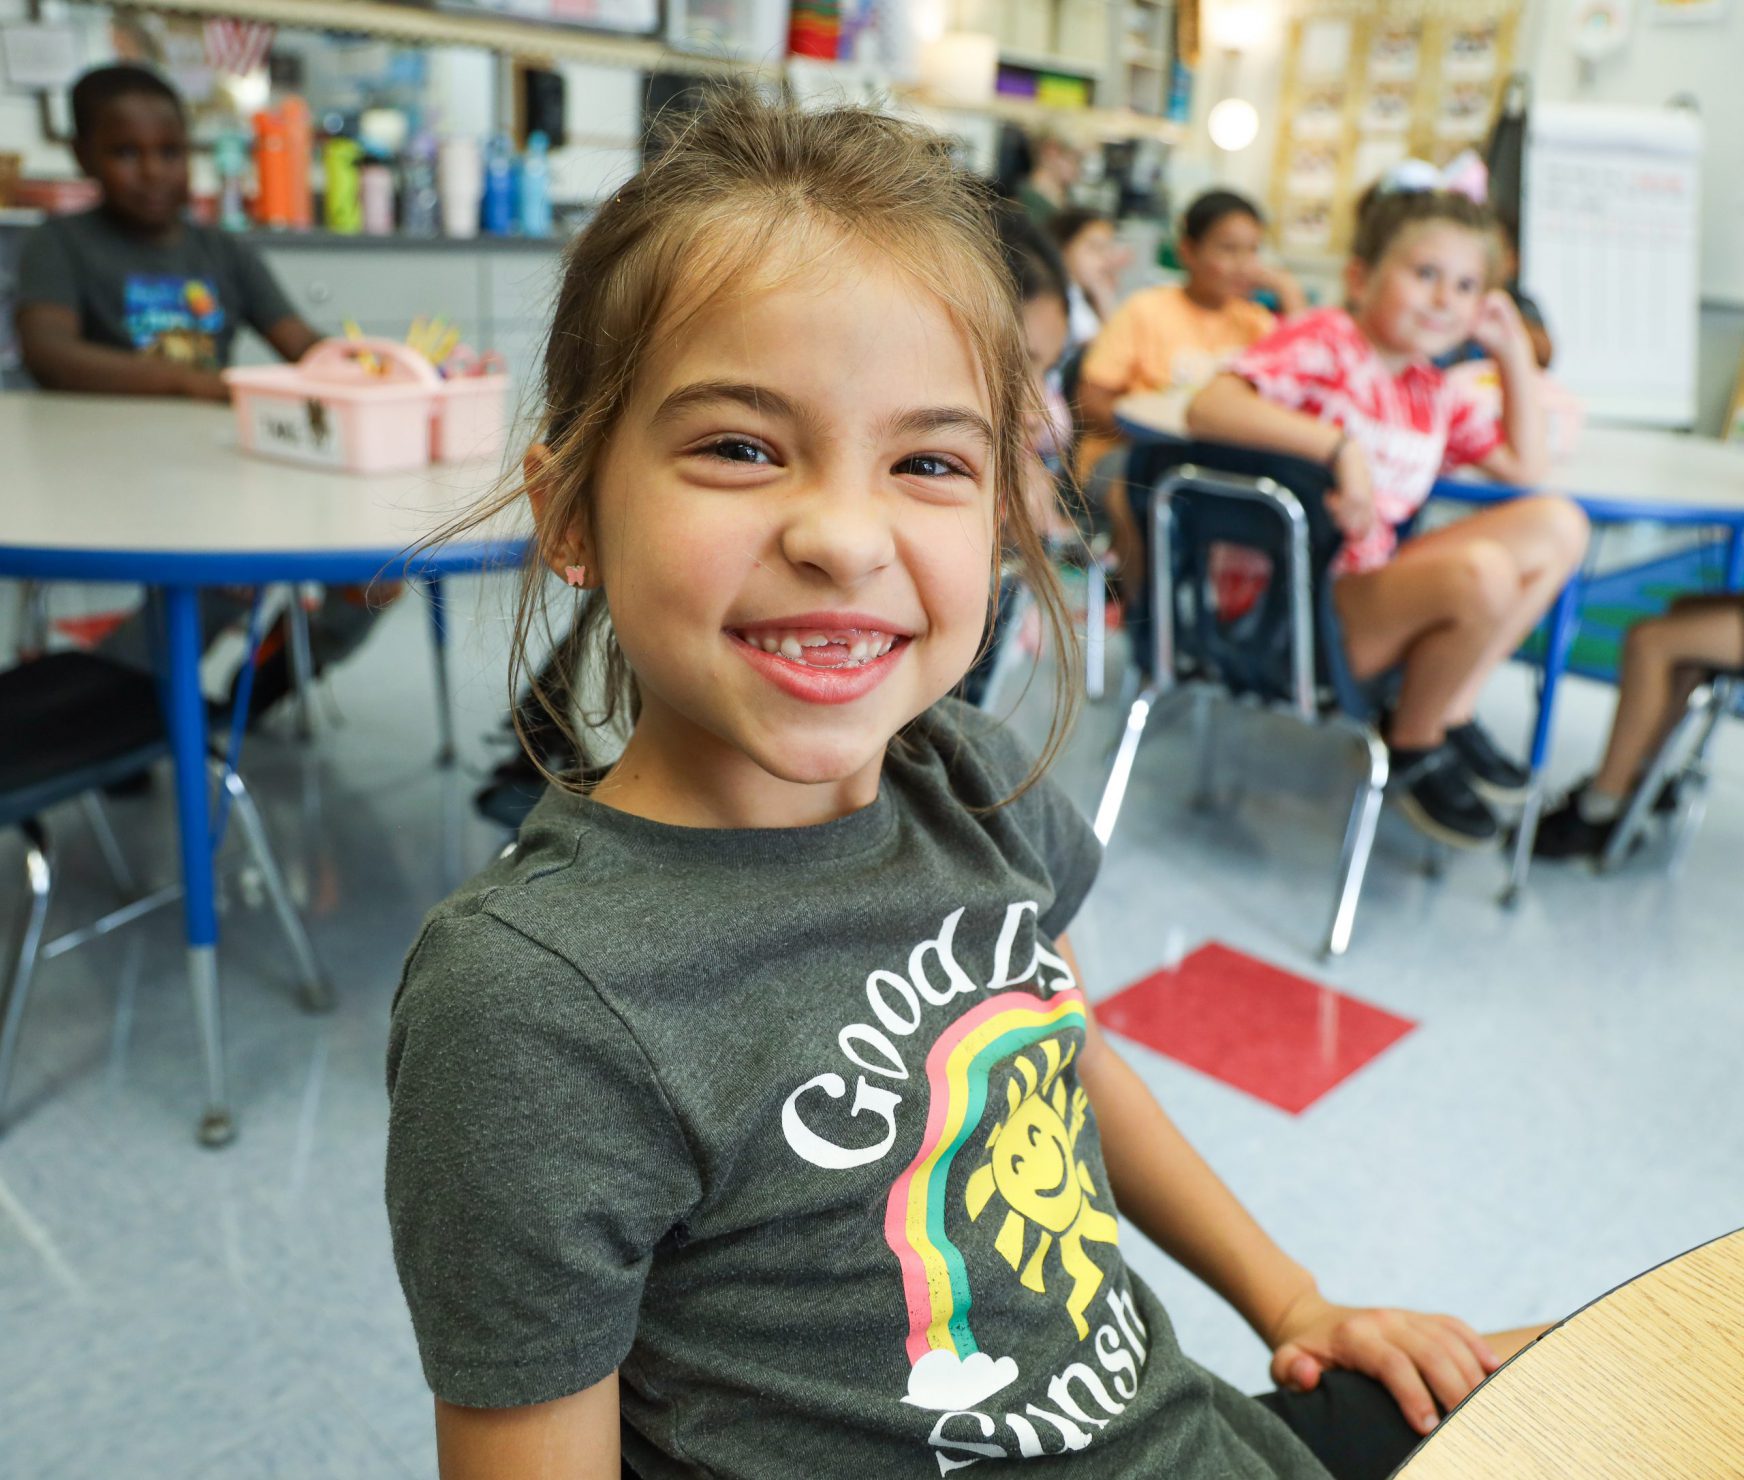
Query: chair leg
pixel 32 619
pixel 1359 838
pixel 445 752
pixel 39 870
pixel 302 663
pixel 108 845
pixel 317 993
pixel 1700 716
pixel 1120 772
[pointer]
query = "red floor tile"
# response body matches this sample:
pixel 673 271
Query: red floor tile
pixel 1282 1038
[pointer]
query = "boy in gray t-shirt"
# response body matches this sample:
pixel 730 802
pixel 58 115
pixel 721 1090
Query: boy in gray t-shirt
pixel 130 297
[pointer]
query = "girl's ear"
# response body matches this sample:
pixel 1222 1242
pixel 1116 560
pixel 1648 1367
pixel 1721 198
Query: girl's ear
pixel 1356 281
pixel 564 548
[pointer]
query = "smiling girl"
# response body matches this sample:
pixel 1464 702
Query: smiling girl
pixel 750 1118
pixel 1355 389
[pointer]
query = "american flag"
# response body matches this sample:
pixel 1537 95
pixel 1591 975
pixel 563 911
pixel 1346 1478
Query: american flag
pixel 237 47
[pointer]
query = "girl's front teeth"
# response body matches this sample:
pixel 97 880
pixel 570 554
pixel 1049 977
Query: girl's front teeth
pixel 801 647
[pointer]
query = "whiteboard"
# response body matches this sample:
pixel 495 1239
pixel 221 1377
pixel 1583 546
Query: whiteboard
pixel 1659 62
pixel 1610 246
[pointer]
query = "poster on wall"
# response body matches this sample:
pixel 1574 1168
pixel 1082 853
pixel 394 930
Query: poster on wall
pixel 1393 54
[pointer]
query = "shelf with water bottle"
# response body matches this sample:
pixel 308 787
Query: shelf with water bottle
pixel 287 176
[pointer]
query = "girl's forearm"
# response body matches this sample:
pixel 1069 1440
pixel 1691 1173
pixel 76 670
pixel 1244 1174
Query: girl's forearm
pixel 1522 421
pixel 1231 410
pixel 1165 1187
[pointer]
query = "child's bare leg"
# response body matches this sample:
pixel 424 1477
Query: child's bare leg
pixel 1545 538
pixel 1663 660
pixel 1438 615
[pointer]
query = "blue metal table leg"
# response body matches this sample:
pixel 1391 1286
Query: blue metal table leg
pixel 185 714
pixel 439 650
pixel 1564 620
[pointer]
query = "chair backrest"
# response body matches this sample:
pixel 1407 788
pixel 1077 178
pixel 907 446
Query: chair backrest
pixel 1250 544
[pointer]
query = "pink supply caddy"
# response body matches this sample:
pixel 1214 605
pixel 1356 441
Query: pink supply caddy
pixel 368 406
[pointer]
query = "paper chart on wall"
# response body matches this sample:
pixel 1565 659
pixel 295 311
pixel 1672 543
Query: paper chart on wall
pixel 1324 52
pixel 1610 249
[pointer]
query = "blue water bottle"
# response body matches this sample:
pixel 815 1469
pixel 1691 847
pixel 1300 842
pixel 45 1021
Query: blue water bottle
pixel 535 189
pixel 496 209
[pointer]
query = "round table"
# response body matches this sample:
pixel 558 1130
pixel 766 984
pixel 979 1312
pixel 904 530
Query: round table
pixel 155 491
pixel 1646 1381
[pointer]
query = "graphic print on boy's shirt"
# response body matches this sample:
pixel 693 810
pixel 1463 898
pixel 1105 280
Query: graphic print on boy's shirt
pixel 174 318
pixel 1000 1202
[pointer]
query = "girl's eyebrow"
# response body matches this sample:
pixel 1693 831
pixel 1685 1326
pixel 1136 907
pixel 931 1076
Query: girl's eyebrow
pixel 919 421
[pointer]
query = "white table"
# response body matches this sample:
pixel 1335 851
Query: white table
pixel 154 491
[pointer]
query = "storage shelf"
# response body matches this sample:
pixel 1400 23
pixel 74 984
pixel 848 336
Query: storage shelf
pixel 522 40
pixel 1036 61
pixel 1107 123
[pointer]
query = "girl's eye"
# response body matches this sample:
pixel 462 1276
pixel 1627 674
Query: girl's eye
pixel 737 450
pixel 931 465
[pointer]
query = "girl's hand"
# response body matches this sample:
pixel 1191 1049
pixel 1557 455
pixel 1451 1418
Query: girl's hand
pixel 1282 285
pixel 1500 330
pixel 1352 500
pixel 1422 1360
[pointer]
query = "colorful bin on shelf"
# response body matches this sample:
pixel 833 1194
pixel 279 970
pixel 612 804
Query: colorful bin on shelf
pixel 367 406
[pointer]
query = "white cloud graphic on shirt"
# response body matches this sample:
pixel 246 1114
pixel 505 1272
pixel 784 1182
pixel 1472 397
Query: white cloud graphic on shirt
pixel 944 1381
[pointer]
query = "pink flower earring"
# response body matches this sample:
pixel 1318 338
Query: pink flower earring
pixel 575 575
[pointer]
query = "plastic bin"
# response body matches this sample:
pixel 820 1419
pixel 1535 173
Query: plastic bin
pixel 330 410
pixel 472 417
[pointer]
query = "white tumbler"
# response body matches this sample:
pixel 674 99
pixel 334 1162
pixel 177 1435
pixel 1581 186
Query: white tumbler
pixel 460 183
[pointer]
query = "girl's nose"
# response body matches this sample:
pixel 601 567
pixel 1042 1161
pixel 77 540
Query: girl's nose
pixel 845 536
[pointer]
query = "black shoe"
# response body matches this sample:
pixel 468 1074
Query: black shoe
pixel 1564 833
pixel 1497 777
pixel 1431 789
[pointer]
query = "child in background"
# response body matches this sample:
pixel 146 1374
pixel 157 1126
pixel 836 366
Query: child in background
pixel 1055 166
pixel 1664 660
pixel 130 297
pixel 1356 390
pixel 1175 337
pixel 1094 259
pixel 751 1113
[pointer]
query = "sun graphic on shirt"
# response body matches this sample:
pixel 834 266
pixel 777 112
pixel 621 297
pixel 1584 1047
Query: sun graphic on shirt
pixel 1032 1164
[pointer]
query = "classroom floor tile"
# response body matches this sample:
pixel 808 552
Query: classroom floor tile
pixel 1280 1037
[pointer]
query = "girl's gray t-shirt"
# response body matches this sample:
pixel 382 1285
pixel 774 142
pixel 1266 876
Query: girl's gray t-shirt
pixel 784 1126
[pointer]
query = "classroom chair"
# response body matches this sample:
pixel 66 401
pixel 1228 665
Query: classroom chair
pixel 1681 765
pixel 76 723
pixel 1283 652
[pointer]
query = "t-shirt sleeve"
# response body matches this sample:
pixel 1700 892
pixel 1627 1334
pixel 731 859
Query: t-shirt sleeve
pixel 533 1165
pixel 1112 359
pixel 1473 432
pixel 45 272
pixel 1044 818
pixel 1289 364
pixel 263 300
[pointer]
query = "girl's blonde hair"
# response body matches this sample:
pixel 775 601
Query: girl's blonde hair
pixel 727 187
pixel 1383 217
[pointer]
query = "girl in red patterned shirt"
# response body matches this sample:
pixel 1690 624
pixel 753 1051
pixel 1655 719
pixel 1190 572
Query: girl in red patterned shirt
pixel 1355 389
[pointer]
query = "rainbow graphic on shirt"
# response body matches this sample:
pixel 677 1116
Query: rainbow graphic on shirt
pixel 934 1278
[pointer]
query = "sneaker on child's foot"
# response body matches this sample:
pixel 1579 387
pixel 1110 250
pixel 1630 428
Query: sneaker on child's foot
pixel 1431 789
pixel 1491 772
pixel 1564 833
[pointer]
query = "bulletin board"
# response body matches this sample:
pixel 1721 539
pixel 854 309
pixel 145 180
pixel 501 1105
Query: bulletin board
pixel 1366 86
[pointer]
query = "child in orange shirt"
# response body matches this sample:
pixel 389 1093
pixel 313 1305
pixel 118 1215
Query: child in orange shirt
pixel 1177 337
